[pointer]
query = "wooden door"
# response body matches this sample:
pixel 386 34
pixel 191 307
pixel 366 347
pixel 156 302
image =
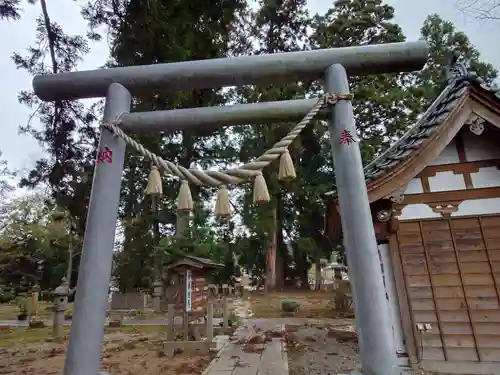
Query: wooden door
pixel 451 271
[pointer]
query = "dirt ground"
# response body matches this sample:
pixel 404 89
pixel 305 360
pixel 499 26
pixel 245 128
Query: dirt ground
pixel 313 349
pixel 313 304
pixel 9 311
pixel 125 351
pixel 322 349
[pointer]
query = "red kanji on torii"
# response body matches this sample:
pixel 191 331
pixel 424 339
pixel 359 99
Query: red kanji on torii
pixel 346 138
pixel 105 155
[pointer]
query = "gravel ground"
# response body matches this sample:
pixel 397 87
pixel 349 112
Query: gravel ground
pixel 322 349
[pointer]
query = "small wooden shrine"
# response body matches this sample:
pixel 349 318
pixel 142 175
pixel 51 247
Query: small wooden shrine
pixel 189 277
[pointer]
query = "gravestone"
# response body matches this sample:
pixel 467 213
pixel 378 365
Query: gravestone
pixel 129 301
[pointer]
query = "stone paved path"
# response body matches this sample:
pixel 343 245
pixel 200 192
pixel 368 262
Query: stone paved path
pixel 234 359
pixel 242 308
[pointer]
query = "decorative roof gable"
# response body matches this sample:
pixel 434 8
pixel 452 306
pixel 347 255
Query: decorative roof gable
pixel 459 80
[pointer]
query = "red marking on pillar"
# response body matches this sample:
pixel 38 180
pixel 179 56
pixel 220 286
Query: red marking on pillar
pixel 346 138
pixel 105 156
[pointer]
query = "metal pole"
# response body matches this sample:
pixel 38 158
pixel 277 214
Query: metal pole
pixel 91 303
pixel 373 323
pixel 232 71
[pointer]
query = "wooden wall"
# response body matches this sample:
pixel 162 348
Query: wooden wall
pixel 451 273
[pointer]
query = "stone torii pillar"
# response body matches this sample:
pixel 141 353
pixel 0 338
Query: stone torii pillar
pixel 374 326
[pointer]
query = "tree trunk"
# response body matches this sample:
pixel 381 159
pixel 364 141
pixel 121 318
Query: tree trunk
pixel 280 246
pixel 280 270
pixel 187 156
pixel 50 36
pixel 69 270
pixel 304 272
pixel 155 203
pixel 158 283
pixel 271 256
pixel 182 224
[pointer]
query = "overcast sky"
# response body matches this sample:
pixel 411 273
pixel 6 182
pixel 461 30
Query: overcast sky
pixel 21 151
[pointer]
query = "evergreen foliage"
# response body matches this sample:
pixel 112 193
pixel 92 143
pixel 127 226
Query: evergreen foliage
pixel 159 31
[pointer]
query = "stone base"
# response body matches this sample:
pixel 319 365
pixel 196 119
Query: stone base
pixel 219 342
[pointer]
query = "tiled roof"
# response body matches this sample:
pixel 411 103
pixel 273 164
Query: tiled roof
pixel 205 261
pixel 459 79
pixel 180 260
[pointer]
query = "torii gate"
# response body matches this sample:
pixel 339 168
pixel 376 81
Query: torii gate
pixel 118 84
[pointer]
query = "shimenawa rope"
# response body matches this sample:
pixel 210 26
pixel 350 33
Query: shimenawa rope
pixel 236 175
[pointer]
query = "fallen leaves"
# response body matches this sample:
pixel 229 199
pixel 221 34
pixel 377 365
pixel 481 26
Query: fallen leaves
pixel 343 335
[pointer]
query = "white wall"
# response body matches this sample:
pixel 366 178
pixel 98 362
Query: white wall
pixel 480 147
pixel 448 156
pixel 476 148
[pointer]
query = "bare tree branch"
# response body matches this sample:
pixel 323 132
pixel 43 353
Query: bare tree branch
pixel 480 9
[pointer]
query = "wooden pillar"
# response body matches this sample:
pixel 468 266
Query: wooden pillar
pixel 225 309
pixel 210 321
pixel 169 349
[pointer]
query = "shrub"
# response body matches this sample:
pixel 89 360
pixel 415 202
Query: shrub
pixel 289 306
pixel 68 314
pixel 6 296
pixel 22 303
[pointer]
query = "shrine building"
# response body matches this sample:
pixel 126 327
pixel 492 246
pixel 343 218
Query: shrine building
pixel 435 203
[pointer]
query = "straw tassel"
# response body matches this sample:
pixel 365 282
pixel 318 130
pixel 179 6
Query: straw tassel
pixel 222 207
pixel 184 200
pixel 287 170
pixel 154 187
pixel 260 192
